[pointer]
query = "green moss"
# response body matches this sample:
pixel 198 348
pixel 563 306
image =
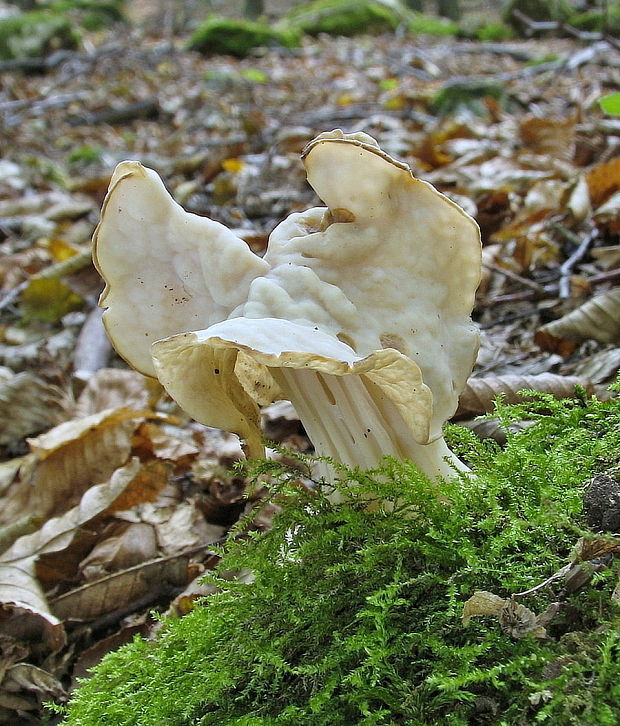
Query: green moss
pixel 35 35
pixel 91 14
pixel 469 94
pixel 347 17
pixel 493 32
pixel 353 615
pixel 230 36
pixel 538 10
pixel 421 24
pixel 597 21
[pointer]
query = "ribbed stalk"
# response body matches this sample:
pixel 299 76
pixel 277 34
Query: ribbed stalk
pixel 350 420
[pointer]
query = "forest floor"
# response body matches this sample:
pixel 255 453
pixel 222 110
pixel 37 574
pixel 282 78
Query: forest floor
pixel 111 498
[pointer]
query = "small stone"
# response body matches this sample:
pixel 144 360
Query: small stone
pixel 601 503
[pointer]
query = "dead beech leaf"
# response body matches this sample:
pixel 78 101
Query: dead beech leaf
pixel 603 180
pixel 554 137
pixel 588 549
pixel 482 603
pixel 600 367
pixel 157 442
pixel 48 299
pixel 607 215
pixel 27 677
pixel 68 459
pixel 114 388
pixel 515 619
pixel 28 405
pixel 14 530
pixel 22 566
pixel 597 319
pixel 23 603
pixel 579 200
pixel 479 393
pixel 129 544
pixel 120 588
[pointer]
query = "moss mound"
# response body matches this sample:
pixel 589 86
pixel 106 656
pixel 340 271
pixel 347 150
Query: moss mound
pixel 91 14
pixel 354 612
pixel 347 17
pixel 35 35
pixel 539 10
pixel 238 37
pixel 421 24
pixel 598 21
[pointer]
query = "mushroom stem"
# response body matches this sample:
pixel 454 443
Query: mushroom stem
pixel 351 421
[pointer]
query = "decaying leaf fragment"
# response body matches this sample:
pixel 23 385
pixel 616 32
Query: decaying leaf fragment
pixel 597 319
pixel 68 459
pixel 515 619
pixel 23 567
pixel 480 393
pixel 28 405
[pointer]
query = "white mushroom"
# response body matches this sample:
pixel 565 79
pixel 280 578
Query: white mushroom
pixel 359 313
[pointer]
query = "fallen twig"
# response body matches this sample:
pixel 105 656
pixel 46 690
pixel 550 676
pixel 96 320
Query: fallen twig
pixel 552 289
pixel 148 110
pixel 567 267
pixel 535 286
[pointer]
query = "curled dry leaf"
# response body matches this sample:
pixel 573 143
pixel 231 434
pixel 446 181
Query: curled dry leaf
pixel 480 393
pixel 28 405
pixel 603 180
pixel 597 319
pixel 68 459
pixel 607 215
pixel 118 590
pixel 114 388
pixel 600 367
pixel 23 567
pixel 555 137
pixel 31 685
pixel 515 619
pixel 129 544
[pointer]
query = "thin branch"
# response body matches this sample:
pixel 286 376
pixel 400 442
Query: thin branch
pixel 567 267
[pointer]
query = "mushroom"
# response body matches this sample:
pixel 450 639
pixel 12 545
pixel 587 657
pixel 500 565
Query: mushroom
pixel 359 312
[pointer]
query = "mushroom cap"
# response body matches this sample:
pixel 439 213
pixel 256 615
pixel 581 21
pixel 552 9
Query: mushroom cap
pixel 166 271
pixel 391 263
pixel 221 374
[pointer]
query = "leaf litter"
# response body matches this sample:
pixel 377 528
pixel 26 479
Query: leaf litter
pixel 112 499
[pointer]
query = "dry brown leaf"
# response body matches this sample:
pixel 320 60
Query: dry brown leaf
pixel 153 439
pixel 603 180
pixel 21 564
pixel 554 137
pixel 479 393
pixel 27 677
pixel 181 526
pixel 482 603
pixel 588 549
pixel 515 619
pixel 28 405
pixel 579 200
pixel 607 215
pixel 118 589
pixel 114 388
pixel 600 367
pixel 597 319
pixel 68 459
pixel 128 544
pixel 607 257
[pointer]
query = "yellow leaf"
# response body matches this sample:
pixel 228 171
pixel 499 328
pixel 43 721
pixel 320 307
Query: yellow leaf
pixel 234 166
pixel 48 300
